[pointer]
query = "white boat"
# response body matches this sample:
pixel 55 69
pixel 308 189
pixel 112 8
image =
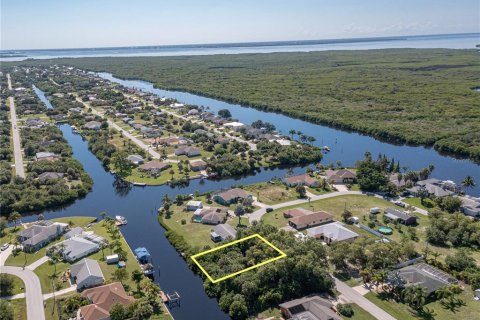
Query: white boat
pixel 119 220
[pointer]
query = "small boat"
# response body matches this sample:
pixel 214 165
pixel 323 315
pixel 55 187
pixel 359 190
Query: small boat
pixel 139 184
pixel 326 149
pixel 120 221
pixel 148 269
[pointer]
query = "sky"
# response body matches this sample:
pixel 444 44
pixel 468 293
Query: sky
pixel 44 24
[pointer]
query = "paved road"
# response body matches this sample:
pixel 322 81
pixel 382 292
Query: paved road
pixel 19 169
pixel 37 263
pixel 127 134
pixel 33 291
pixel 361 301
pixel 257 215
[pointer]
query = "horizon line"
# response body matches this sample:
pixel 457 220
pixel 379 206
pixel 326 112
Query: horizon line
pixel 255 43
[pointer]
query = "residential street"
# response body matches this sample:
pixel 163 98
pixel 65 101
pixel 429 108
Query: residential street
pixel 17 149
pixel 33 291
pixel 355 297
pixel 127 134
pixel 257 215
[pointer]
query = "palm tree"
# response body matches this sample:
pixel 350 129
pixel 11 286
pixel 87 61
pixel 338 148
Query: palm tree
pixel 292 133
pixel 14 217
pixel 137 276
pixel 311 140
pixel 468 182
pixel 415 296
pixel 435 255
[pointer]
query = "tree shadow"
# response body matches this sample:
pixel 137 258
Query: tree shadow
pixel 453 305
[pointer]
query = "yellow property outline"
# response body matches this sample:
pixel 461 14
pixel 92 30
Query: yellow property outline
pixel 194 257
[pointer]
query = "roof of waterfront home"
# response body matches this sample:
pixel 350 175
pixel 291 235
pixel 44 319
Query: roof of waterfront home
pixel 154 165
pixel 103 298
pixel 232 194
pixel 86 268
pixel 301 179
pixel 38 233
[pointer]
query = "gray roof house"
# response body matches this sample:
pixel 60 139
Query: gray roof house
pixel 86 274
pixel 400 216
pixel 38 235
pixel 309 308
pixel 222 231
pixel 420 274
pixel 135 159
pixel 74 232
pixel 46 156
pixel 93 125
pixel 74 248
pixel 332 232
pixel 470 206
pixel 44 177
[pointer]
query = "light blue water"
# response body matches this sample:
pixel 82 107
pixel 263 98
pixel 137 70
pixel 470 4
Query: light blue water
pixel 452 41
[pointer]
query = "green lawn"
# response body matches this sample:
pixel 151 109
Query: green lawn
pixel 164 177
pixel 23 258
pixel 470 309
pixel 46 271
pixel 19 309
pixel 359 205
pixel 18 286
pixel 359 313
pixel 271 193
pixel 427 203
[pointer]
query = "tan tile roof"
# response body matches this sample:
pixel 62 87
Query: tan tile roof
pixel 103 298
pixel 309 218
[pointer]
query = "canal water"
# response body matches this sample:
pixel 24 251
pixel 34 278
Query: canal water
pixel 139 205
pixel 345 146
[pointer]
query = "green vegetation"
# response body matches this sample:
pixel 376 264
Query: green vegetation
pixel 30 194
pixel 271 192
pixel 13 309
pixel 359 313
pixel 10 285
pixel 419 96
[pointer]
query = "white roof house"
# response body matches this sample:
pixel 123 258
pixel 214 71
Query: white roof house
pixel 332 232
pixel 194 205
pixel 86 273
pixel 76 248
pixel 234 125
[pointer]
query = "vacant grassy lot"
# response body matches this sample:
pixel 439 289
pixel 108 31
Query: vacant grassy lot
pixel 420 96
pixel 164 177
pixel 19 309
pixel 359 314
pixel 271 193
pixel 18 286
pixel 427 203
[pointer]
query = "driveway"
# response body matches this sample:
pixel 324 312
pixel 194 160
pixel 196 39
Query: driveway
pixel 33 291
pixel 257 215
pixel 350 294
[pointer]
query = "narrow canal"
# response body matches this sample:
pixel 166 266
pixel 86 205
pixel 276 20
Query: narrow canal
pixel 346 146
pixel 139 205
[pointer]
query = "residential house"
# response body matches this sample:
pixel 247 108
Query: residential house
pixel 301 180
pixel 222 140
pixel 86 274
pixel 45 176
pixel 198 165
pixel 332 232
pixel 40 234
pixel 202 132
pixel 193 112
pixel 342 176
pixel 296 212
pixel 222 232
pixel 420 274
pixel 309 308
pixel 75 110
pixel 154 166
pixel 231 196
pixel 102 299
pixel 400 216
pixel 93 125
pixel 47 156
pixel 135 159
pixel 235 126
pixel 470 206
pixel 74 248
pixel 187 151
pixel 35 123
pixel 177 105
pixel 211 215
pixel 194 205
pixel 434 187
pixel 73 232
pixel 172 141
pixel 310 220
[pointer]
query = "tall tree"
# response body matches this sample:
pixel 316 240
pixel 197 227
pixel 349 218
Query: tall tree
pixel 468 182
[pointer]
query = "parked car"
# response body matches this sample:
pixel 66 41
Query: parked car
pixel 5 246
pixel 400 204
pixel 269 209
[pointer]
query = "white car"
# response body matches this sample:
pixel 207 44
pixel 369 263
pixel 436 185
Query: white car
pixel 5 246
